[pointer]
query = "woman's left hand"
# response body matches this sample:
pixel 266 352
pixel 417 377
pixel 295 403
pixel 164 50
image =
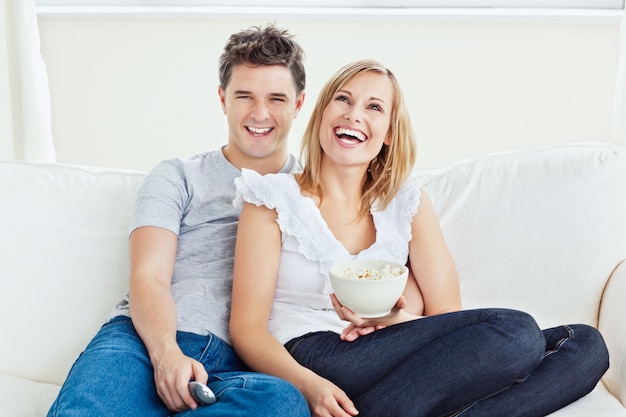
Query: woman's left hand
pixel 360 326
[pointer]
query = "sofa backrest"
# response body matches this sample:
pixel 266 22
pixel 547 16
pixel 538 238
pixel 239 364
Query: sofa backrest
pixel 538 230
pixel 64 261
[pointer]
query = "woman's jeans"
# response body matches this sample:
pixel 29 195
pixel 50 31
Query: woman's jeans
pixel 114 377
pixel 490 362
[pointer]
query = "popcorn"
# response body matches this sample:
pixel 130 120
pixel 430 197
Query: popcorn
pixel 385 272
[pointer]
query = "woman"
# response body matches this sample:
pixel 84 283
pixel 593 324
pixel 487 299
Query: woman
pixel 356 198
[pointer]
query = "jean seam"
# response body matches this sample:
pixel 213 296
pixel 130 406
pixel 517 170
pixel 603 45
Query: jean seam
pixel 461 411
pixel 203 355
pixel 560 343
pixel 293 346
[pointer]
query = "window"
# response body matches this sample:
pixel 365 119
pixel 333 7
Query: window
pixel 547 4
pixel 498 10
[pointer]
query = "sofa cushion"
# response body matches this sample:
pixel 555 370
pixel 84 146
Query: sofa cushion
pixel 598 403
pixel 64 261
pixel 23 398
pixel 538 230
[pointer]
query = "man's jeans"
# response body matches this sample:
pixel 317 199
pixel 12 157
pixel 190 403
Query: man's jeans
pixel 114 377
pixel 488 363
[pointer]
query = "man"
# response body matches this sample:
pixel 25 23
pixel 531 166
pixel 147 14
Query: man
pixel 183 229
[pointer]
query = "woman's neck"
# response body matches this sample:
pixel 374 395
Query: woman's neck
pixel 340 207
pixel 342 184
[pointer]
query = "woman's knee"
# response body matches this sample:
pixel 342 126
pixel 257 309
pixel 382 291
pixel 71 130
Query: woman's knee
pixel 522 342
pixel 590 348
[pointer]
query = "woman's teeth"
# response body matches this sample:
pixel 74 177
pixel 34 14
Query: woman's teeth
pixel 342 132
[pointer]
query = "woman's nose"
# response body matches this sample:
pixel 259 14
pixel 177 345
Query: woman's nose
pixel 353 115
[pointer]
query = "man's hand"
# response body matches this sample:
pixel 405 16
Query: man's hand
pixel 172 373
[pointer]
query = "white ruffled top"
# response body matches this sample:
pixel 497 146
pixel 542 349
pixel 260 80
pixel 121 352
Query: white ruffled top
pixel 309 248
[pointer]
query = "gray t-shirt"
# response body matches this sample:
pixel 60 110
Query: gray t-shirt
pixel 194 199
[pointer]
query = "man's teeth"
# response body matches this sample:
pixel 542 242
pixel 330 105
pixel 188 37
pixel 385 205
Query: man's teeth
pixel 258 130
pixel 341 131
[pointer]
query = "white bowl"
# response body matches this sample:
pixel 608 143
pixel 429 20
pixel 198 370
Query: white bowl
pixel 368 297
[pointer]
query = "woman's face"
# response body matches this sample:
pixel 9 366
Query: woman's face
pixel 355 123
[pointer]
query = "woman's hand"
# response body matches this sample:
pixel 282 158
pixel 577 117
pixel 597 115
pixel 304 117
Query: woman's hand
pixel 325 399
pixel 360 326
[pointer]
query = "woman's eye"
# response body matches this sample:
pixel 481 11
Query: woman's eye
pixel 345 99
pixel 376 107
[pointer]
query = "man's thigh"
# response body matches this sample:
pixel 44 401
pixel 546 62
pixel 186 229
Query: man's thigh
pixel 112 377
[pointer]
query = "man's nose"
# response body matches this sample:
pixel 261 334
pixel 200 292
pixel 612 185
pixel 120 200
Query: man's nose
pixel 260 111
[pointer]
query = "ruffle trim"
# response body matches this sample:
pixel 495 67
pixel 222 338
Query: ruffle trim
pixel 408 203
pixel 299 217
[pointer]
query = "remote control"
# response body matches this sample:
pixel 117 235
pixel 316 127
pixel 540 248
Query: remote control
pixel 201 393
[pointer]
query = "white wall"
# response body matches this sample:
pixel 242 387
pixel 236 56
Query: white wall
pixel 128 92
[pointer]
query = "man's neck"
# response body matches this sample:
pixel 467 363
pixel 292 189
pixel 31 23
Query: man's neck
pixel 268 165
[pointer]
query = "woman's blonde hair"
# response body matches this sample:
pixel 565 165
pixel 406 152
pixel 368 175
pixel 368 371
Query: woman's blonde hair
pixel 394 162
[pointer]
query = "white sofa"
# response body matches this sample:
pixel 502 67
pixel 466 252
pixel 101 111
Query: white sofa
pixel 541 230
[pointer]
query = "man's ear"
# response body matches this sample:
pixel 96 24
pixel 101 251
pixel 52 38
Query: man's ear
pixel 222 95
pixel 299 102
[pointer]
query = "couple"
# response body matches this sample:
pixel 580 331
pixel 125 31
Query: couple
pixel 315 356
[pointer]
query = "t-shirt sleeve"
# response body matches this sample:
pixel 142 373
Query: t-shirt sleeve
pixel 161 198
pixel 255 188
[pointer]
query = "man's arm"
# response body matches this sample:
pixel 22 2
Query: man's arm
pixel 153 312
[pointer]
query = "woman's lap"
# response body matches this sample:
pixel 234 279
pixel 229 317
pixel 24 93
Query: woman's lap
pixel 439 364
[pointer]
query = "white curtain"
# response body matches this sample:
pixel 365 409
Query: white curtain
pixel 25 127
pixel 619 106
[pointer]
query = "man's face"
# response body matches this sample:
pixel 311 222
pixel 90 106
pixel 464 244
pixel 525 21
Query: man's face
pixel 260 104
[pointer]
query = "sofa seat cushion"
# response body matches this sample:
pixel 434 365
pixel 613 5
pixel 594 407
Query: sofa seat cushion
pixel 24 398
pixel 598 403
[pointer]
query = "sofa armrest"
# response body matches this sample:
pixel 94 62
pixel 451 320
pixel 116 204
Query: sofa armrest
pixel 611 325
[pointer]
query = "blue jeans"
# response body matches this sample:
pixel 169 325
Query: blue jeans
pixel 488 363
pixel 114 377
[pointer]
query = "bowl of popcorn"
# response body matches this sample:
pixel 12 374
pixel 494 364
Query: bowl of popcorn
pixel 370 288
